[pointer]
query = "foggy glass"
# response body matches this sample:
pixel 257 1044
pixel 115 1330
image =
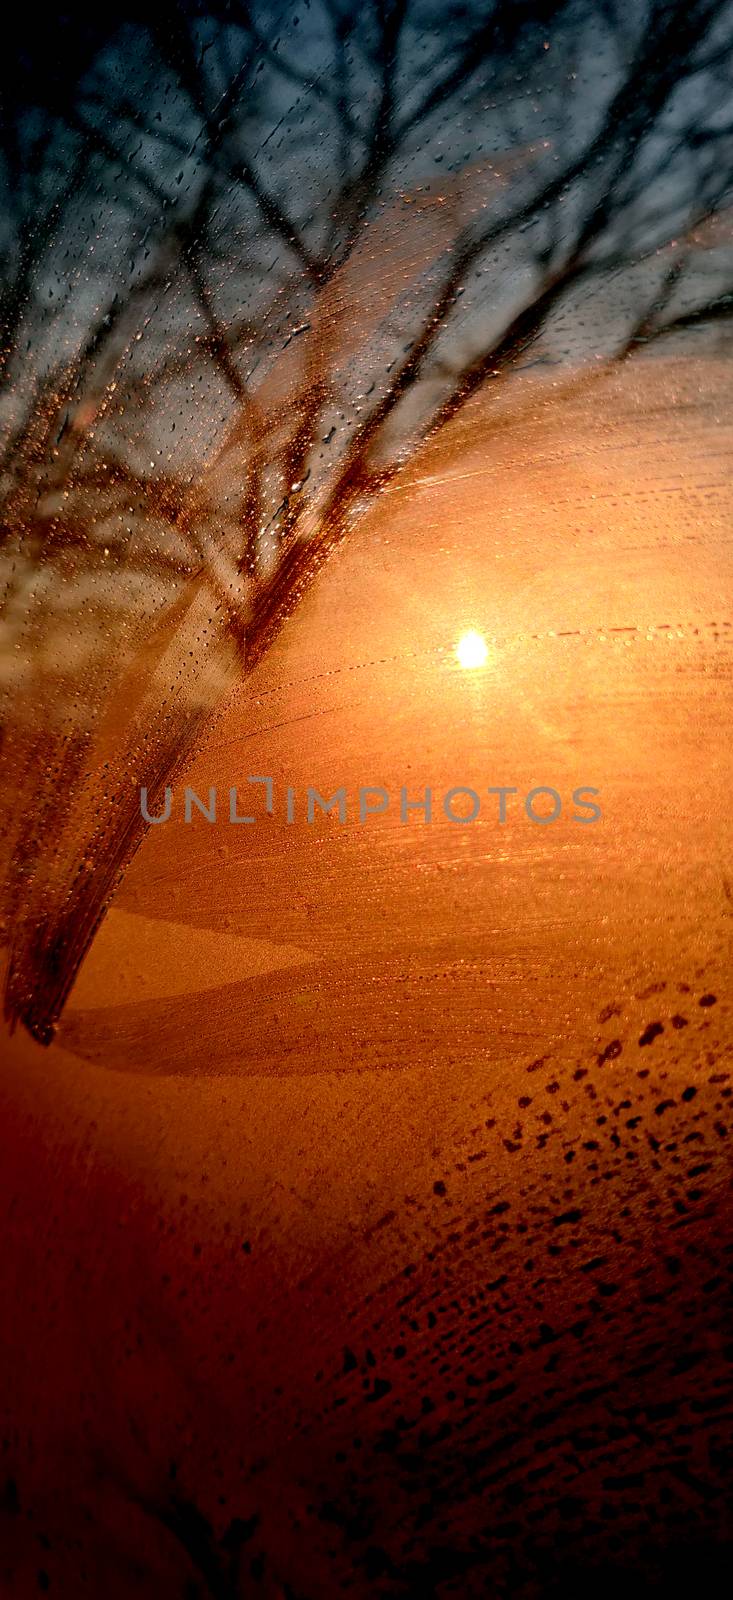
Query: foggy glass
pixel 250 260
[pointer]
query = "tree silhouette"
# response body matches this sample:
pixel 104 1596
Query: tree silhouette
pixel 252 255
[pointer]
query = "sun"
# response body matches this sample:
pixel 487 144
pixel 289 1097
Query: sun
pixel 472 650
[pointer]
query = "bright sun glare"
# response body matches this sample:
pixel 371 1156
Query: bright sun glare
pixel 472 650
